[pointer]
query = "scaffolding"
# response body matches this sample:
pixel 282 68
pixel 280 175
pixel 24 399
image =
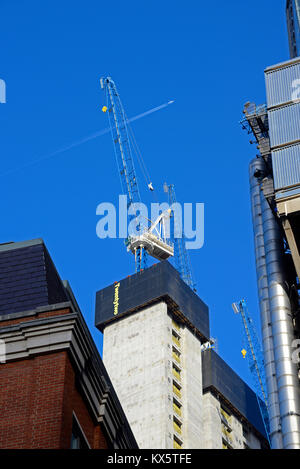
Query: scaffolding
pixel 256 123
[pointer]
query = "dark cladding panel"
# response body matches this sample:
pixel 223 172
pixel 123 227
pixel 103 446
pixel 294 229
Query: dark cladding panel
pixel 161 281
pixel 218 375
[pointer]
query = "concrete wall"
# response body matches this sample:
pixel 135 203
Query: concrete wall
pixel 252 441
pixel 241 438
pixel 135 353
pixel 192 390
pixel 211 430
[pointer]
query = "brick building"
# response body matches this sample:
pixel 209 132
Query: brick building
pixel 54 389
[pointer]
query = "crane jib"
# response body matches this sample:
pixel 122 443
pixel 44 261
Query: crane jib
pixel 123 152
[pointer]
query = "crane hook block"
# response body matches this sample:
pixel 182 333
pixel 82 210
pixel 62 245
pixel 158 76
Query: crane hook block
pixel 104 109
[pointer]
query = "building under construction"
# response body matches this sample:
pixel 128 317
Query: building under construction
pixel 275 200
pixel 175 390
pixel 177 393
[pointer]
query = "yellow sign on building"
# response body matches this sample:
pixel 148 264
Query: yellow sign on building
pixel 116 299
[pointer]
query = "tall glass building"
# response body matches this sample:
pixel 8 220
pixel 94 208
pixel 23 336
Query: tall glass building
pixel 293 24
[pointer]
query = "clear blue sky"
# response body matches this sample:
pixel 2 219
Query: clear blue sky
pixel 209 57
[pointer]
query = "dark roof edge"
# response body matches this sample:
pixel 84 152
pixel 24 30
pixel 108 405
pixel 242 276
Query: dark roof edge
pixel 173 308
pixel 35 311
pixel 20 244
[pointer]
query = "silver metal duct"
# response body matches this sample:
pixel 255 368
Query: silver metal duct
pixel 282 330
pixel 262 284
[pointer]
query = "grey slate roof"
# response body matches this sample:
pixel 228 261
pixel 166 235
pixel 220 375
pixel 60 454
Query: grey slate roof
pixel 28 277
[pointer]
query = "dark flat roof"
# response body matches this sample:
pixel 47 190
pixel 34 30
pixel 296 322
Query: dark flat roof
pixel 217 375
pixel 159 282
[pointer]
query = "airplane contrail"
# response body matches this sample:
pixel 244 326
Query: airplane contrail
pixel 86 139
pixel 144 114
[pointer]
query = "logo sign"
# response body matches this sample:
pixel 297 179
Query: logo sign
pixel 116 299
pixel 188 220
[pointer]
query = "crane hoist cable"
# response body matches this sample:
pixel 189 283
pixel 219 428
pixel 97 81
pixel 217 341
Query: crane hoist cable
pixel 140 160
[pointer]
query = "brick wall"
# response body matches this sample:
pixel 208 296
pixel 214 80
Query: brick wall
pixel 73 402
pixel 31 398
pixel 41 315
pixel 38 396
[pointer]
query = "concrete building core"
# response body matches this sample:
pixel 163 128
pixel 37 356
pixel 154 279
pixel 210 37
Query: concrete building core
pixel 154 327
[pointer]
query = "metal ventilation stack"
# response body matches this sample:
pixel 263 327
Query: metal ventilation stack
pixel 283 93
pixel 275 198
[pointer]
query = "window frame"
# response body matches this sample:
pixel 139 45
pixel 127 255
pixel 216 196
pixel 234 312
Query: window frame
pixel 81 434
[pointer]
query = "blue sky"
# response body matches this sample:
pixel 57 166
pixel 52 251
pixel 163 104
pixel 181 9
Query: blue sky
pixel 207 56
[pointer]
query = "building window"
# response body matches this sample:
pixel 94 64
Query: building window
pixel 176 389
pixel 177 444
pixel 225 445
pixel 177 407
pixel 226 435
pixel 78 438
pixel 176 338
pixel 177 425
pixel 226 417
pixel 176 372
pixel 175 326
pixel 176 355
pixel 226 410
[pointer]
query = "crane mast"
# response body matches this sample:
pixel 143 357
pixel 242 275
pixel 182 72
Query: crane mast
pixel 123 152
pixel 182 258
pixel 255 360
